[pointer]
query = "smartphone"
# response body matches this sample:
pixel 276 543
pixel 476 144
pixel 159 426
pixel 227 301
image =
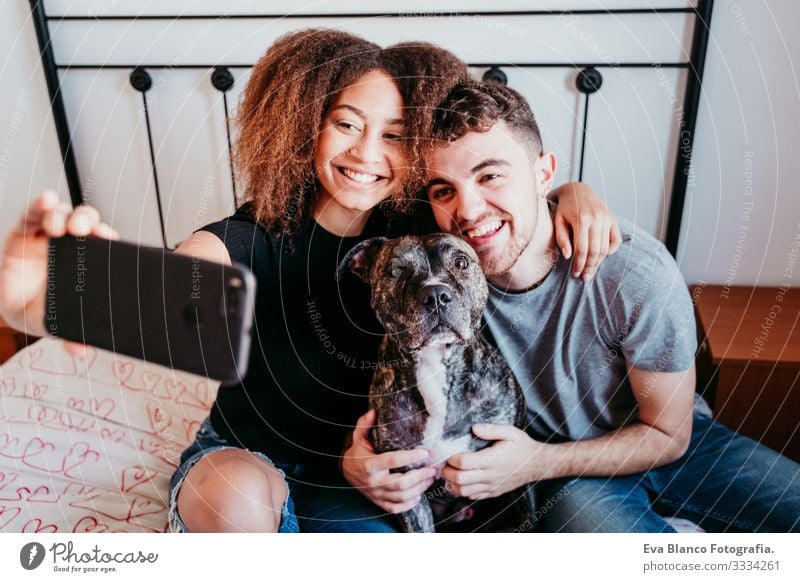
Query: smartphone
pixel 152 304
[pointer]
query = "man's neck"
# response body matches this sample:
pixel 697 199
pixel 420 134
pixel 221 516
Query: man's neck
pixel 536 261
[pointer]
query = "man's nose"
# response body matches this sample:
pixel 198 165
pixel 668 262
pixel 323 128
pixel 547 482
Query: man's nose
pixel 469 205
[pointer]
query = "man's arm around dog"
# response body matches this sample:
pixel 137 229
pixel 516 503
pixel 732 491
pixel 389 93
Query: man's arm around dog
pixel 660 436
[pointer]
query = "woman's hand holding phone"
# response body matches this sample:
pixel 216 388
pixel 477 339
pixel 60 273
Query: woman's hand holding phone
pixel 23 273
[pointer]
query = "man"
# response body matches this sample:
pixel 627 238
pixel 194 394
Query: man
pixel 607 365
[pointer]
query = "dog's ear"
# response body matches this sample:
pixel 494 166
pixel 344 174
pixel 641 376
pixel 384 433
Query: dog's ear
pixel 360 258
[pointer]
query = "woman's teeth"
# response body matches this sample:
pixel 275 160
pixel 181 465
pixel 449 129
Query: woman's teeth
pixel 360 178
pixel 487 228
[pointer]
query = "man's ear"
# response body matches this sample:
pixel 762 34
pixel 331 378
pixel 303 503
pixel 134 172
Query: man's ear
pixel 545 170
pixel 360 258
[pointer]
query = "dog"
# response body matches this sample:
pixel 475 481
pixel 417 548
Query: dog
pixel 436 376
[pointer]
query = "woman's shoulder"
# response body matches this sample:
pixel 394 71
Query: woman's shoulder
pixel 245 237
pixel 240 218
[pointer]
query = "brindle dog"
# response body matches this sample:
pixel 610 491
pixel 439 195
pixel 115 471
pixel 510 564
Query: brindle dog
pixel 437 376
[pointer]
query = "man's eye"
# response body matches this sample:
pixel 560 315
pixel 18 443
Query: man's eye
pixel 489 177
pixel 461 263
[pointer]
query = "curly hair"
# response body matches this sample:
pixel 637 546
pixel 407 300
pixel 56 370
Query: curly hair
pixel 290 90
pixel 474 106
pixel 425 73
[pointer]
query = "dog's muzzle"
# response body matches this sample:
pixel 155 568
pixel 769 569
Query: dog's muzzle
pixel 434 298
pixel 445 319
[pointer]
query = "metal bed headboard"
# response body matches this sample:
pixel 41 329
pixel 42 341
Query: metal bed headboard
pixel 588 81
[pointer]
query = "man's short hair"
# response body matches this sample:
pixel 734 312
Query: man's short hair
pixel 474 106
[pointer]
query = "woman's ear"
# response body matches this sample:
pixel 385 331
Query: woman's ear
pixel 360 258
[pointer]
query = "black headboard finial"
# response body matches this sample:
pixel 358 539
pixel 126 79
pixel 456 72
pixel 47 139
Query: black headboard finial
pixel 141 79
pixel 496 75
pixel 222 79
pixel 589 80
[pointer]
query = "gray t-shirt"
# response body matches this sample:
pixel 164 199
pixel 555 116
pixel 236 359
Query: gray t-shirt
pixel 568 342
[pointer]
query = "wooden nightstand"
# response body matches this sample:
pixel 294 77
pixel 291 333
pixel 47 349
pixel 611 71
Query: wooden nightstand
pixel 12 341
pixel 750 337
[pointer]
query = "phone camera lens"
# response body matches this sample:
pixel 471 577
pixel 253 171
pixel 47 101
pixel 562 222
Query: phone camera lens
pixel 193 316
pixel 232 302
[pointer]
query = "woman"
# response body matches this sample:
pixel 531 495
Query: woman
pixel 332 129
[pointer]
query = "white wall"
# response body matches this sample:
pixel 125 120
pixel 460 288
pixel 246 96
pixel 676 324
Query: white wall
pixel 742 217
pixel 735 231
pixel 30 159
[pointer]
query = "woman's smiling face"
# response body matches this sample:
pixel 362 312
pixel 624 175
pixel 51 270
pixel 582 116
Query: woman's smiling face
pixel 360 157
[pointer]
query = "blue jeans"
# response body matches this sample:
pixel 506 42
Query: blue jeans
pixel 724 482
pixel 333 506
pixel 337 507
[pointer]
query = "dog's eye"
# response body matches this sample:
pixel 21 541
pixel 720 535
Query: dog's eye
pixel 461 263
pixel 395 272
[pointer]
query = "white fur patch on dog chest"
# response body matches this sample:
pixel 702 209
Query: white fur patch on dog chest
pixel 431 375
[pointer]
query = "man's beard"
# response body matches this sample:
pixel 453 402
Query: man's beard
pixel 507 257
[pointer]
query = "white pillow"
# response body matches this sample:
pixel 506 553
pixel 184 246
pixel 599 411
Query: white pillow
pixel 89 444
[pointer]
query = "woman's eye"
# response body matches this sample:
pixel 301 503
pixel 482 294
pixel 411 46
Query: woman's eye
pixel 393 136
pixel 441 193
pixel 461 263
pixel 488 177
pixel 347 125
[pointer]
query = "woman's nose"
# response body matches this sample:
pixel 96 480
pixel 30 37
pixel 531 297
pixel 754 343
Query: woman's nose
pixel 370 148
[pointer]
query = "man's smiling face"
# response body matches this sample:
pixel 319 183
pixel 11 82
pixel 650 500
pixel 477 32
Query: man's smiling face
pixel 485 188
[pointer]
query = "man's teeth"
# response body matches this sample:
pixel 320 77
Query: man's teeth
pixel 485 229
pixel 360 178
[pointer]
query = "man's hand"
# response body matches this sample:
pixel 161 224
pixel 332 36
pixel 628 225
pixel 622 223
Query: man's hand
pixel 497 469
pixel 369 472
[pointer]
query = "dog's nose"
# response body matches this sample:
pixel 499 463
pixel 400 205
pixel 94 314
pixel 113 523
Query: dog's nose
pixel 435 296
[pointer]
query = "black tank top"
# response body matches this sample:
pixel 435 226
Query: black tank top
pixel 314 346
